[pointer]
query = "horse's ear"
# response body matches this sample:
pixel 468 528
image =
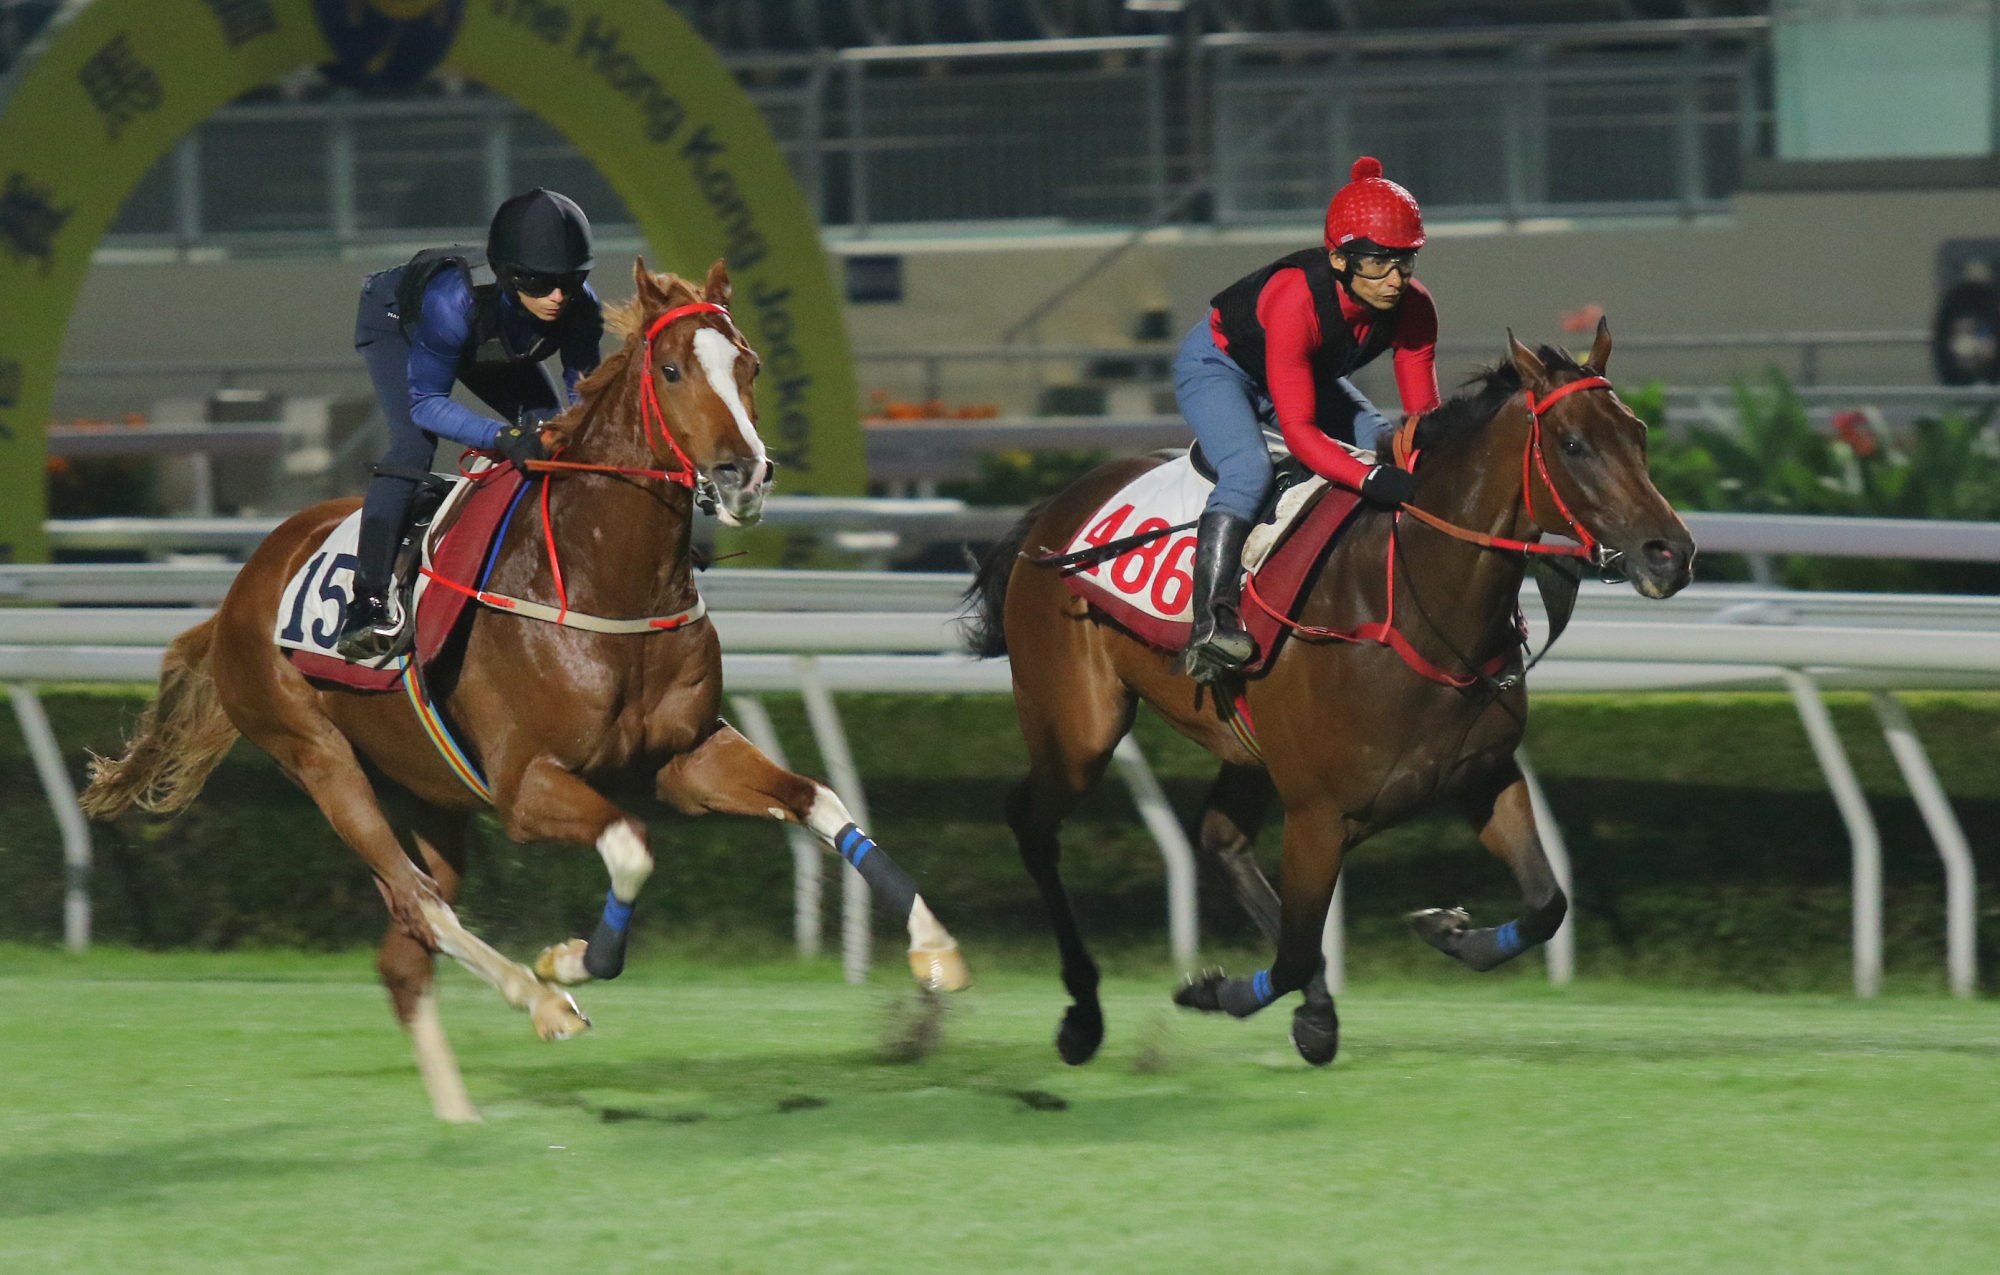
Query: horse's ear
pixel 716 290
pixel 642 283
pixel 1600 350
pixel 1531 368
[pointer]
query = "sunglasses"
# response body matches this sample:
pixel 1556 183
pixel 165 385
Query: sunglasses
pixel 1377 265
pixel 541 285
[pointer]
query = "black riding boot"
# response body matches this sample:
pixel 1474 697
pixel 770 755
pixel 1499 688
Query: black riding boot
pixel 1219 644
pixel 370 630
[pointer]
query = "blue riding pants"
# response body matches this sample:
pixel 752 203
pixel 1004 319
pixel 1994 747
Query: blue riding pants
pixel 1237 426
pixel 505 387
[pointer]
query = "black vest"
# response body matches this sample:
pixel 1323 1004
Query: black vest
pixel 1339 354
pixel 488 343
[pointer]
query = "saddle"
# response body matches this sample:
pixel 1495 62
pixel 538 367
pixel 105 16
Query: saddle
pixel 456 526
pixel 1130 559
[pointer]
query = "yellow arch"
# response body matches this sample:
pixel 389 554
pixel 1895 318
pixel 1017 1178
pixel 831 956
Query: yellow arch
pixel 113 84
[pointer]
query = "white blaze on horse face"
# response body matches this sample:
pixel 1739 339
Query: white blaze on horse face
pixel 717 355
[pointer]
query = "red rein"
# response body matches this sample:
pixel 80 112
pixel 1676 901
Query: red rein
pixel 655 418
pixel 1533 462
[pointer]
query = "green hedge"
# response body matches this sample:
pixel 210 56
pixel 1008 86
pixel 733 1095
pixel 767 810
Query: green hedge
pixel 1706 847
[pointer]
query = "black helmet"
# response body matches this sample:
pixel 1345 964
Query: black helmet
pixel 539 233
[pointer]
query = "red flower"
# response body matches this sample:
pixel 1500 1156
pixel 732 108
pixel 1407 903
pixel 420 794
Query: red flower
pixel 1853 428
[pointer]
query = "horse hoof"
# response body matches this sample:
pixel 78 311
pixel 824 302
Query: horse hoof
pixel 558 1018
pixel 940 970
pixel 562 963
pixel 1442 928
pixel 1079 1034
pixel 1316 1037
pixel 1202 991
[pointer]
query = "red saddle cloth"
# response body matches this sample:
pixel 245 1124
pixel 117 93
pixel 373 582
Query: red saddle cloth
pixel 459 555
pixel 1281 581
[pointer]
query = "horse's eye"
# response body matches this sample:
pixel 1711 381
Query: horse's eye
pixel 1572 445
pixel 671 372
pixel 756 369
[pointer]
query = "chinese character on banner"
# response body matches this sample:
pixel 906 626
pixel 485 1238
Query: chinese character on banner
pixel 121 87
pixel 10 382
pixel 29 221
pixel 243 19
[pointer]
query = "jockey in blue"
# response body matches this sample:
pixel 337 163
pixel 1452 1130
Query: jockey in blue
pixel 425 325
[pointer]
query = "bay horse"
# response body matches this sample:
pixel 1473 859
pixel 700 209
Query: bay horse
pixel 555 714
pixel 1351 735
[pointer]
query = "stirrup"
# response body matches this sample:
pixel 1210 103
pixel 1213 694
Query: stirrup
pixel 374 642
pixel 1217 653
pixel 365 646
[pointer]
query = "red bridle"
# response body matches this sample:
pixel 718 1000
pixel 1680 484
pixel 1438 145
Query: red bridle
pixel 649 396
pixel 1536 407
pixel 1534 461
pixel 655 418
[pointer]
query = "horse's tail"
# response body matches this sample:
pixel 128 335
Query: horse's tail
pixel 985 599
pixel 182 735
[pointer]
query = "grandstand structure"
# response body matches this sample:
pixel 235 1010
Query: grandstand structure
pixel 1101 167
pixel 928 113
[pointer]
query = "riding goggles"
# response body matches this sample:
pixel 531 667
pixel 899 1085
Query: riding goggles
pixel 1377 265
pixel 529 284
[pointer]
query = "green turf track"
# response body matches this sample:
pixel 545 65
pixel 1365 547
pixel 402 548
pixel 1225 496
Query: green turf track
pixel 259 1113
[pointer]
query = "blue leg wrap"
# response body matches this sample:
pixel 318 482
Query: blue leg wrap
pixel 1507 940
pixel 617 913
pixel 1260 987
pixel 853 844
pixel 894 891
pixel 1242 997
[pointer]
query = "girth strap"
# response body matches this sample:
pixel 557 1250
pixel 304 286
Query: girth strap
pixel 576 619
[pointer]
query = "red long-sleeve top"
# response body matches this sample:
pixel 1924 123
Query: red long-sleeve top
pixel 1292 339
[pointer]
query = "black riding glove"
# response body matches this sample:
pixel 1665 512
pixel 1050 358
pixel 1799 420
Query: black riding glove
pixel 520 444
pixel 1387 486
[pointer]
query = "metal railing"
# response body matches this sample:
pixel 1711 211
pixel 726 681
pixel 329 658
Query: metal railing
pixel 1716 639
pixel 1115 130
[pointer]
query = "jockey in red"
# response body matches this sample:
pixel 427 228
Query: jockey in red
pixel 1274 355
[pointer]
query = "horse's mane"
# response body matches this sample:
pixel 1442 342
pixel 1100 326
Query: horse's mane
pixel 1486 392
pixel 624 319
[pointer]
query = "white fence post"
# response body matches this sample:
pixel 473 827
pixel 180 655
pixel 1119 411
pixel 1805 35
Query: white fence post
pixel 69 816
pixel 1561 948
pixel 855 933
pixel 1865 838
pixel 1961 917
pixel 757 728
pixel 1174 848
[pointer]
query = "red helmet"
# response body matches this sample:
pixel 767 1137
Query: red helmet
pixel 1374 208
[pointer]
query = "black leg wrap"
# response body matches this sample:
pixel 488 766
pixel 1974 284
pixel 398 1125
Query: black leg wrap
pixel 1490 948
pixel 1214 992
pixel 895 893
pixel 604 959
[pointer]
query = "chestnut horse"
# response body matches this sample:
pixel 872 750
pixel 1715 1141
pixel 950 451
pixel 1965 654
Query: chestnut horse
pixel 554 714
pixel 1355 736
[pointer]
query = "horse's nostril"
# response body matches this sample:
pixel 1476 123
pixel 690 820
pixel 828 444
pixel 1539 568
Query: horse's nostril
pixel 1659 553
